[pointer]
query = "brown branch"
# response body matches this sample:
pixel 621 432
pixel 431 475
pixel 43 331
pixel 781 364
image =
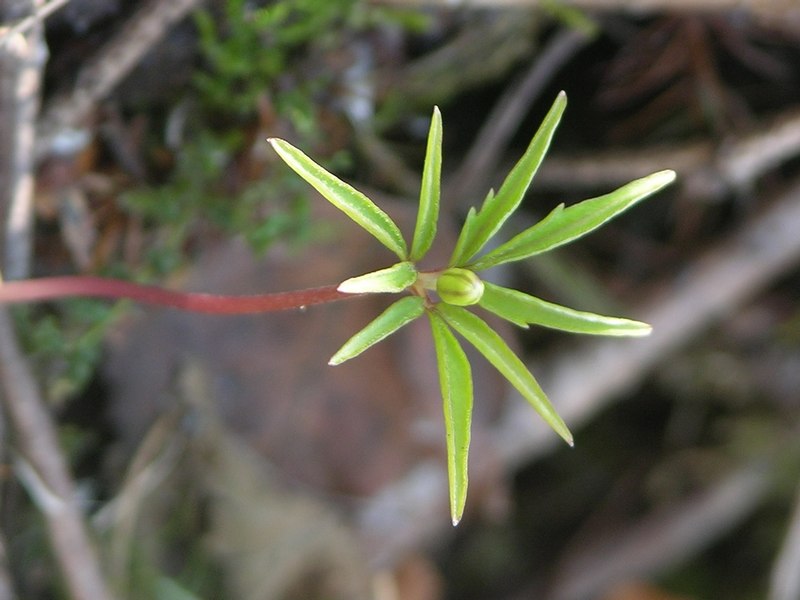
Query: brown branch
pixel 44 468
pixel 6 585
pixel 775 11
pixel 707 170
pixel 40 13
pixel 65 117
pixel 503 121
pixel 663 537
pixel 37 438
pixel 22 58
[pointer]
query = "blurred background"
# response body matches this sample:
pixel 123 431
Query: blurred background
pixel 220 457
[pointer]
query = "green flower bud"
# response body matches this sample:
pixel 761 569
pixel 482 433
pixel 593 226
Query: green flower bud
pixel 460 287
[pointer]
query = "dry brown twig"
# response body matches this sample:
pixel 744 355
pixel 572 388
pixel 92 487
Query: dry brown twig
pixel 22 59
pixel 64 120
pixel 707 170
pixel 43 468
pixel 662 538
pixel 38 16
pixel 778 11
pixel 47 477
pixel 500 125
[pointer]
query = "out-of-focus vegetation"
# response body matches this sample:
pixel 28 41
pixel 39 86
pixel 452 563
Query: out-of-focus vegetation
pixel 221 457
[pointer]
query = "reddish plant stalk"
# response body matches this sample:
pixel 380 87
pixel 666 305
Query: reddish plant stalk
pixel 51 288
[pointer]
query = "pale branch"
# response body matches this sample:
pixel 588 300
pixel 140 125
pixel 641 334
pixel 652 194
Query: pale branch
pixel 40 13
pixel 784 581
pixel 22 60
pixel 781 12
pixel 44 467
pixel 65 118
pixel 48 477
pixel 503 121
pixel 707 169
pixel 6 581
pixel 662 538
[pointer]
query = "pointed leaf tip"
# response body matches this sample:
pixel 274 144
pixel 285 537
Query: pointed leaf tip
pixel 497 208
pixel 343 196
pixel 520 308
pixel 564 225
pixel 428 212
pixel 393 318
pixel 455 380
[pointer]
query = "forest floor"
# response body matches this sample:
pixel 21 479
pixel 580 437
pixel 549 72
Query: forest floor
pixel 151 453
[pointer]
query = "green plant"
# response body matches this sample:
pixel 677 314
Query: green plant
pixel 443 294
pixel 246 49
pixel 65 345
pixel 216 180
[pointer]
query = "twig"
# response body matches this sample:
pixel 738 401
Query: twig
pixel 66 115
pixel 785 578
pixel 587 379
pixel 662 538
pixel 773 10
pixel 500 125
pixel 37 439
pixel 21 62
pixel 707 170
pixel 6 585
pixel 39 15
pixel 744 159
pixel 157 456
pixel 611 167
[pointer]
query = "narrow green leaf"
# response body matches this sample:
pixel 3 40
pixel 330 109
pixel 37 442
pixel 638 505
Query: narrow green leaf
pixel 344 197
pixel 455 379
pixel 390 280
pixel 428 213
pixel 497 352
pixel 466 232
pixel 565 225
pixel 496 210
pixel 393 318
pixel 521 308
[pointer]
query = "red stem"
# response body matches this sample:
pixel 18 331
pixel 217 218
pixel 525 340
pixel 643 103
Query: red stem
pixel 50 288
